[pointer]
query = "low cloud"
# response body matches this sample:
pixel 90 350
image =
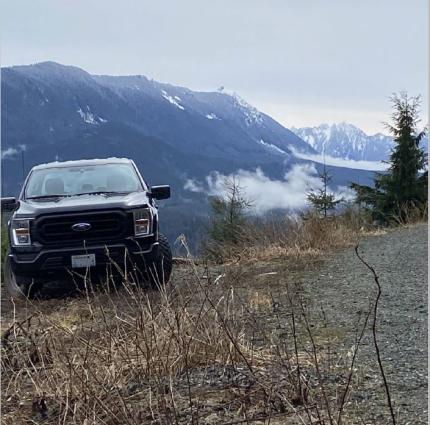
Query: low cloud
pixel 266 194
pixel 193 186
pixel 346 193
pixel 340 162
pixel 9 152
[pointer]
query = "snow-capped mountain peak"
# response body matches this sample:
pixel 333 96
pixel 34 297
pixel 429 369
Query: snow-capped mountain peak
pixel 344 140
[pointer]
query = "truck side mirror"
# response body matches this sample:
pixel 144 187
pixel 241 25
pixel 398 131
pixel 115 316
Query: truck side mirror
pixel 9 204
pixel 160 192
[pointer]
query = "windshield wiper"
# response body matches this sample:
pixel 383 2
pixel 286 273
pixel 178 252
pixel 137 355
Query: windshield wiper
pixel 46 196
pixel 100 192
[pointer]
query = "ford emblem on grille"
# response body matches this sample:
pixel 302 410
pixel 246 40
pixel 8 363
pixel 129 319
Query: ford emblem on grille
pixel 81 227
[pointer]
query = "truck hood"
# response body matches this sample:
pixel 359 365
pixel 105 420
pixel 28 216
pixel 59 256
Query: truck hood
pixel 83 203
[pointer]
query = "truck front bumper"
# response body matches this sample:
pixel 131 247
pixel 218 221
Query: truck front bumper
pixel 47 262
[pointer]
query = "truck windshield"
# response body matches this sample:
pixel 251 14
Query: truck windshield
pixel 80 180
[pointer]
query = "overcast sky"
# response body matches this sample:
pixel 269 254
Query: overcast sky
pixel 302 62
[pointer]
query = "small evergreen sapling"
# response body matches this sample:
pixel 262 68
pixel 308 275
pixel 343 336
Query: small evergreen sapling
pixel 228 219
pixel 322 200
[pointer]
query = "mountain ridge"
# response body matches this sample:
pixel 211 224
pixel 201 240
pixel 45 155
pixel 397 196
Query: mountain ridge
pixel 347 141
pixel 52 109
pixel 150 96
pixel 174 134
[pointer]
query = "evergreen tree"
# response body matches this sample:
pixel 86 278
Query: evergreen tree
pixel 404 185
pixel 322 200
pixel 228 215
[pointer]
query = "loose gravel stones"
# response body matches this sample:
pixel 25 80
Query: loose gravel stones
pixel 345 288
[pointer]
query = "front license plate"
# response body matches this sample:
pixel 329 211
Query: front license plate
pixel 83 261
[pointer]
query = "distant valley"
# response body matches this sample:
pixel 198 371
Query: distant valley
pixel 175 135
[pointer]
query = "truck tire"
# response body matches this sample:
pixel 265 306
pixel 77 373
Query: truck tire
pixel 19 287
pixel 161 269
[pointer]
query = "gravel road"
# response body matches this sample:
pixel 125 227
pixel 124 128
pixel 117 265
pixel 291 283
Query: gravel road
pixel 344 287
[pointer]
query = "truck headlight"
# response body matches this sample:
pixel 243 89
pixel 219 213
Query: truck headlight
pixel 21 232
pixel 142 222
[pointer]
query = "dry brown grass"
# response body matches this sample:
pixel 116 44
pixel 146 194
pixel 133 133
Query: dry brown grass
pixel 181 356
pixel 83 361
pixel 411 214
pixel 221 349
pixel 306 237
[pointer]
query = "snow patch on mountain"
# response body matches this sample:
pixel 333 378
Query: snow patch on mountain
pixel 174 100
pixel 89 117
pixel 252 115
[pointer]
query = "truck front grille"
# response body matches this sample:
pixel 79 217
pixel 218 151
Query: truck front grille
pixel 105 226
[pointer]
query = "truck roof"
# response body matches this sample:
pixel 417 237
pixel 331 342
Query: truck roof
pixel 83 163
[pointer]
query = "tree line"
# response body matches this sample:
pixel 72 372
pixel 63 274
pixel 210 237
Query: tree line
pixel 396 194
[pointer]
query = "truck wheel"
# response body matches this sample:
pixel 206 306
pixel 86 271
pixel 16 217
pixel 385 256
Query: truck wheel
pixel 19 287
pixel 161 269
